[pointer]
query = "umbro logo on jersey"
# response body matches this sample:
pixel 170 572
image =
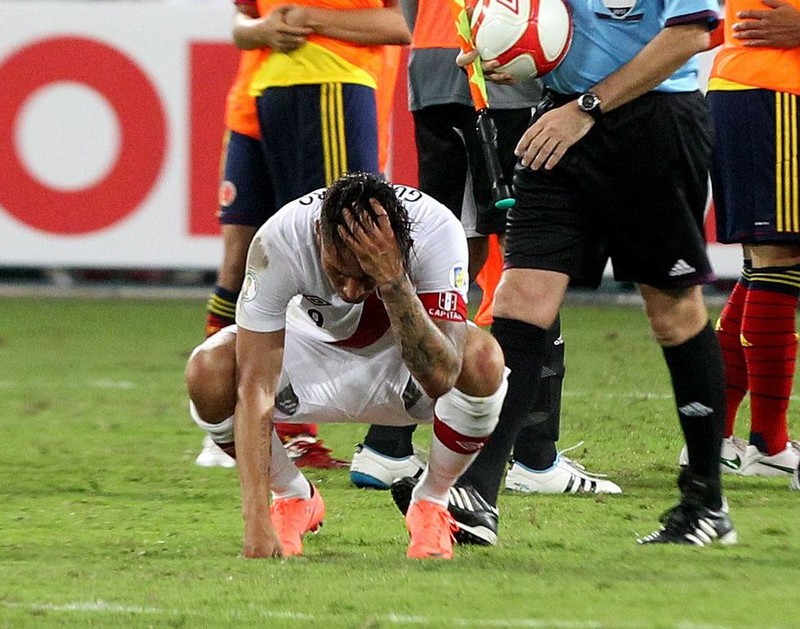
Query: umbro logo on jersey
pixel 681 267
pixel 695 409
pixel 317 301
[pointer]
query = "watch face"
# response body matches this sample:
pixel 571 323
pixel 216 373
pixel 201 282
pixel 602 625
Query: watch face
pixel 588 102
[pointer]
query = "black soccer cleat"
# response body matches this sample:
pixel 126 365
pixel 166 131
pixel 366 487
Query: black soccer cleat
pixel 693 524
pixel 690 521
pixel 476 518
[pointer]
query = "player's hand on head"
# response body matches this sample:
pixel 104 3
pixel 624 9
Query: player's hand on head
pixel 775 26
pixel 374 245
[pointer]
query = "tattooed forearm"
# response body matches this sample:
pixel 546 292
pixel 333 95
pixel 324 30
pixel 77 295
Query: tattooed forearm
pixel 432 356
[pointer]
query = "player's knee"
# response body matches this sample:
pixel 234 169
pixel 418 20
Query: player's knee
pixel 471 416
pixel 676 317
pixel 211 380
pixel 531 296
pixel 482 371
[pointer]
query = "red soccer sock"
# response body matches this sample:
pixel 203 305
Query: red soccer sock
pixel 770 348
pixel 728 328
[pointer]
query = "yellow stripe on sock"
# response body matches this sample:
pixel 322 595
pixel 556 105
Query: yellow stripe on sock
pixel 222 307
pixel 787 277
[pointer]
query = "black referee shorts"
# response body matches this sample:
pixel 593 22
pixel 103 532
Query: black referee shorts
pixel 634 190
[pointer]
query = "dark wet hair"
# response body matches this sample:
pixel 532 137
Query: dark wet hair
pixel 353 191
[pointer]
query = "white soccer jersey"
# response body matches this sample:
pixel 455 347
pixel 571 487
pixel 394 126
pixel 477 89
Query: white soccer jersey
pixel 285 284
pixel 341 359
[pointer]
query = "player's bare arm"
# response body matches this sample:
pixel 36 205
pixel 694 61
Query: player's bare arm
pixel 259 359
pixel 546 141
pixel 272 31
pixel 432 352
pixel 369 27
pixel 775 26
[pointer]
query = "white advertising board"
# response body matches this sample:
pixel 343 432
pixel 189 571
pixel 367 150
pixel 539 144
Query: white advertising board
pixel 95 131
pixel 110 131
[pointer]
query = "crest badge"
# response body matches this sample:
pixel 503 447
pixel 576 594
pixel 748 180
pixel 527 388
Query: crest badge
pixel 249 286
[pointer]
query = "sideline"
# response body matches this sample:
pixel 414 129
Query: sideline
pixel 391 618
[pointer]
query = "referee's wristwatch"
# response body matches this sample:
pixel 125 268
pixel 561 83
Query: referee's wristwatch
pixel 589 102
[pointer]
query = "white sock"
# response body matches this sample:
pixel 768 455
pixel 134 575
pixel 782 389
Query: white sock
pixel 220 433
pixel 286 481
pixel 461 426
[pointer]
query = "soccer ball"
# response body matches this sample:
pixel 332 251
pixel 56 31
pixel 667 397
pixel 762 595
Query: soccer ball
pixel 528 37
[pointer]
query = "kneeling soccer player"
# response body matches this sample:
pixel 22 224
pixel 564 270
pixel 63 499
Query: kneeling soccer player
pixel 353 309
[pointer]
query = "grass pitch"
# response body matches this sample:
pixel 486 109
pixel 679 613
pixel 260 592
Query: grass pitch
pixel 105 521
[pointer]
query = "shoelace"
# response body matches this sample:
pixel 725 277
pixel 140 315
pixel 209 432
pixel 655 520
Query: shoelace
pixel 576 465
pixel 685 513
pixel 432 526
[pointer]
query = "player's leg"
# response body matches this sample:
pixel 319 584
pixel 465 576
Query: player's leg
pixel 659 218
pixel 729 330
pixel 539 263
pixel 769 342
pixel 464 418
pixel 680 323
pixel 211 383
pixel 526 306
pixel 537 465
pixel 297 507
pixel 749 180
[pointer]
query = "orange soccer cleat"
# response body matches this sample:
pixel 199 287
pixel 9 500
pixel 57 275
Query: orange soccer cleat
pixel 294 517
pixel 431 528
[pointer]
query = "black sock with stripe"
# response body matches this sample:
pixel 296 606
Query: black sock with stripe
pixel 698 382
